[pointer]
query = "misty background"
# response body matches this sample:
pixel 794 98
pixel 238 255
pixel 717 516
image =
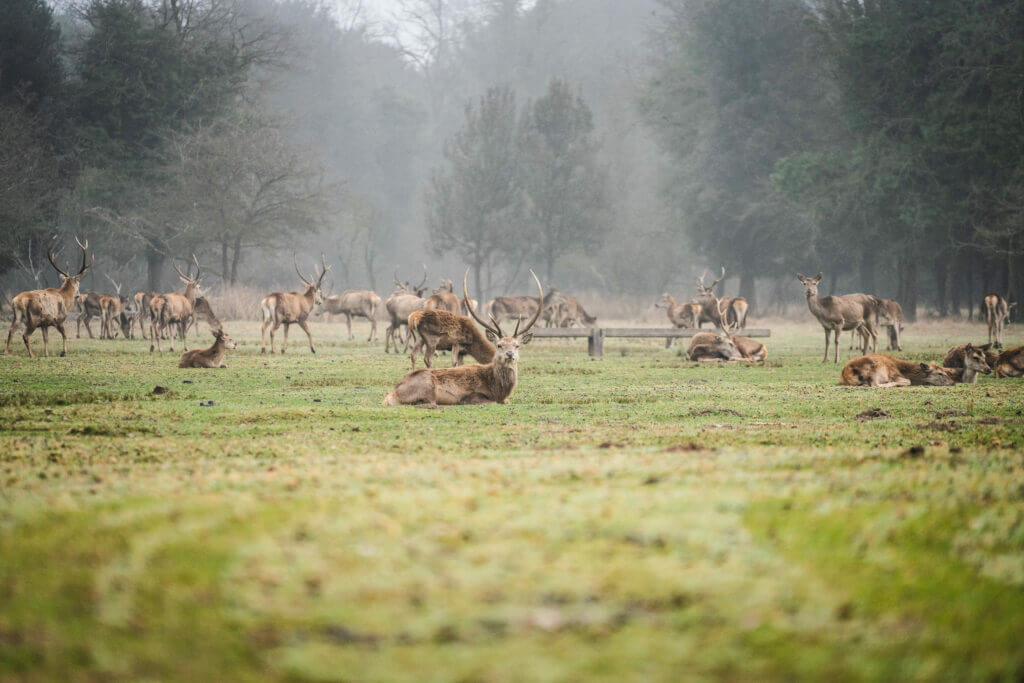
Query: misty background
pixel 618 148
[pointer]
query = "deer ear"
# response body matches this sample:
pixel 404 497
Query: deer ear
pixel 491 337
pixel 817 278
pixel 926 367
pixel 969 347
pixel 525 339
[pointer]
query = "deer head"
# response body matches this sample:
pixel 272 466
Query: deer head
pixel 810 284
pixel 191 281
pixel 709 290
pixel 317 283
pixel 666 301
pixel 974 359
pixel 506 346
pixel 67 277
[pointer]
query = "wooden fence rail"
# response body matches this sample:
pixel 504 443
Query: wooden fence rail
pixel 596 335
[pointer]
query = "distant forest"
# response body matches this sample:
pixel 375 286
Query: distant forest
pixel 619 148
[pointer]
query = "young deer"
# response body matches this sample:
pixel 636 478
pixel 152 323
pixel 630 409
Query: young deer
pixel 997 314
pixel 46 308
pixel 288 308
pixel 682 315
pixel 212 357
pixel 972 360
pixel 436 330
pixel 955 356
pixel 1010 363
pixel 882 371
pixel 839 313
pixel 491 382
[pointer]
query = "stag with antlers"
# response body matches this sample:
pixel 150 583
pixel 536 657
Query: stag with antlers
pixel 491 382
pixel 46 308
pixel 292 308
pixel 175 309
pixel 402 303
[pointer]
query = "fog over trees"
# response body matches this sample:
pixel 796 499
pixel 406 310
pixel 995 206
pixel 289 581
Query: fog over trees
pixel 618 148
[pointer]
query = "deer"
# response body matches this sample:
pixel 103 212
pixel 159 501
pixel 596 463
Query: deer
pixel 737 313
pixel 708 301
pixel 575 313
pixel 354 303
pixel 997 315
pixel 174 309
pixel 682 315
pixel 890 315
pixel 435 329
pixel 111 310
pixel 504 308
pixel 46 308
pixel 443 299
pixel 491 382
pixel 838 313
pixel 88 306
pixel 400 305
pixel 292 308
pixel 1010 363
pixel 710 346
pixel 212 357
pixel 142 311
pixel 955 356
pixel 964 366
pixel 883 371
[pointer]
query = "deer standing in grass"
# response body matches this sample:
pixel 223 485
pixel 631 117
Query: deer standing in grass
pixel 502 308
pixel 174 309
pixel 997 314
pixel 402 303
pixel 354 303
pixel 143 314
pixel 435 330
pixel 882 372
pixel 839 313
pixel 292 308
pixel 111 309
pixel 491 382
pixel 443 298
pixel 46 308
pixel 88 306
pixel 212 357
pixel 682 315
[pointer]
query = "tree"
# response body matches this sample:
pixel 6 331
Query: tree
pixel 566 187
pixel 29 51
pixel 475 206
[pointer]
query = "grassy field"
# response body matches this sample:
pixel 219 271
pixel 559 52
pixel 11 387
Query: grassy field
pixel 638 517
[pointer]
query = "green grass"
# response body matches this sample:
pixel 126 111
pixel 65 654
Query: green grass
pixel 638 517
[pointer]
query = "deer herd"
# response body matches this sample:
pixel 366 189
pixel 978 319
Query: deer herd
pixel 444 321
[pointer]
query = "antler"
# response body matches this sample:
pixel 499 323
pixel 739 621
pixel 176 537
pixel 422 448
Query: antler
pixel 325 267
pixel 700 280
pixel 424 280
pixel 540 307
pixel 712 286
pixel 397 283
pixel 49 256
pixel 493 326
pixel 295 261
pixel 113 282
pixel 199 271
pixel 726 328
pixel 184 278
pixel 85 251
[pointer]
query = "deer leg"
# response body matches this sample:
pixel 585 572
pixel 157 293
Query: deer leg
pixel 277 324
pixel 10 333
pixel 46 341
pixel 835 345
pixel 64 339
pixel 348 322
pixel 87 328
pixel 184 333
pixel 456 358
pixel 26 336
pixel 373 327
pixel 263 336
pixel 828 332
pixel 305 328
pixel 284 344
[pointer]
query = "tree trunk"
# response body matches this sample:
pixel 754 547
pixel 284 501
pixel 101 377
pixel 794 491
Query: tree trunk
pixel 369 256
pixel 154 267
pixel 747 288
pixel 224 261
pixel 867 269
pixel 908 287
pixel 236 259
pixel 833 278
pixel 941 272
pixel 478 283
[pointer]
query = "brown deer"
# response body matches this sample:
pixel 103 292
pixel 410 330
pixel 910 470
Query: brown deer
pixel 709 312
pixel 1010 363
pixel 111 309
pixel 174 309
pixel 838 313
pixel 575 314
pixel 682 315
pixel 504 308
pixel 292 308
pixel 88 306
pixel 443 299
pixel 354 303
pixel 491 382
pixel 46 308
pixel 890 315
pixel 707 346
pixel 212 357
pixel 955 356
pixel 882 371
pixel 972 360
pixel 737 313
pixel 434 329
pixel 997 314
pixel 143 314
pixel 402 303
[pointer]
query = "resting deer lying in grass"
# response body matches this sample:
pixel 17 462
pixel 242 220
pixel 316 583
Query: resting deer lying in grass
pixel 997 314
pixel 436 329
pixel 488 383
pixel 839 313
pixel 882 371
pixel 212 357
pixel 710 346
pixel 955 356
pixel 969 362
pixel 1010 363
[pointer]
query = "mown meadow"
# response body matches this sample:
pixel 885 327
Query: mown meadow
pixel 638 517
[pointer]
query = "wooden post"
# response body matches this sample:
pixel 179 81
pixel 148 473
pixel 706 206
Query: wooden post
pixel 595 343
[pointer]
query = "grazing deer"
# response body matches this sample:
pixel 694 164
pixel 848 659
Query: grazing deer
pixel 955 356
pixel 143 314
pixel 354 303
pixel 1010 363
pixel 682 315
pixel 502 308
pixel 212 357
pixel 575 313
pixel 882 371
pixel 965 365
pixel 174 309
pixel 997 314
pixel 46 308
pixel 839 313
pixel 435 330
pixel 88 306
pixel 288 308
pixel 491 382
pixel 443 299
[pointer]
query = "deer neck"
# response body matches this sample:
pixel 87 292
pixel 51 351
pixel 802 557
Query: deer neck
pixel 67 290
pixel 310 295
pixel 190 293
pixel 503 378
pixel 814 303
pixel 969 376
